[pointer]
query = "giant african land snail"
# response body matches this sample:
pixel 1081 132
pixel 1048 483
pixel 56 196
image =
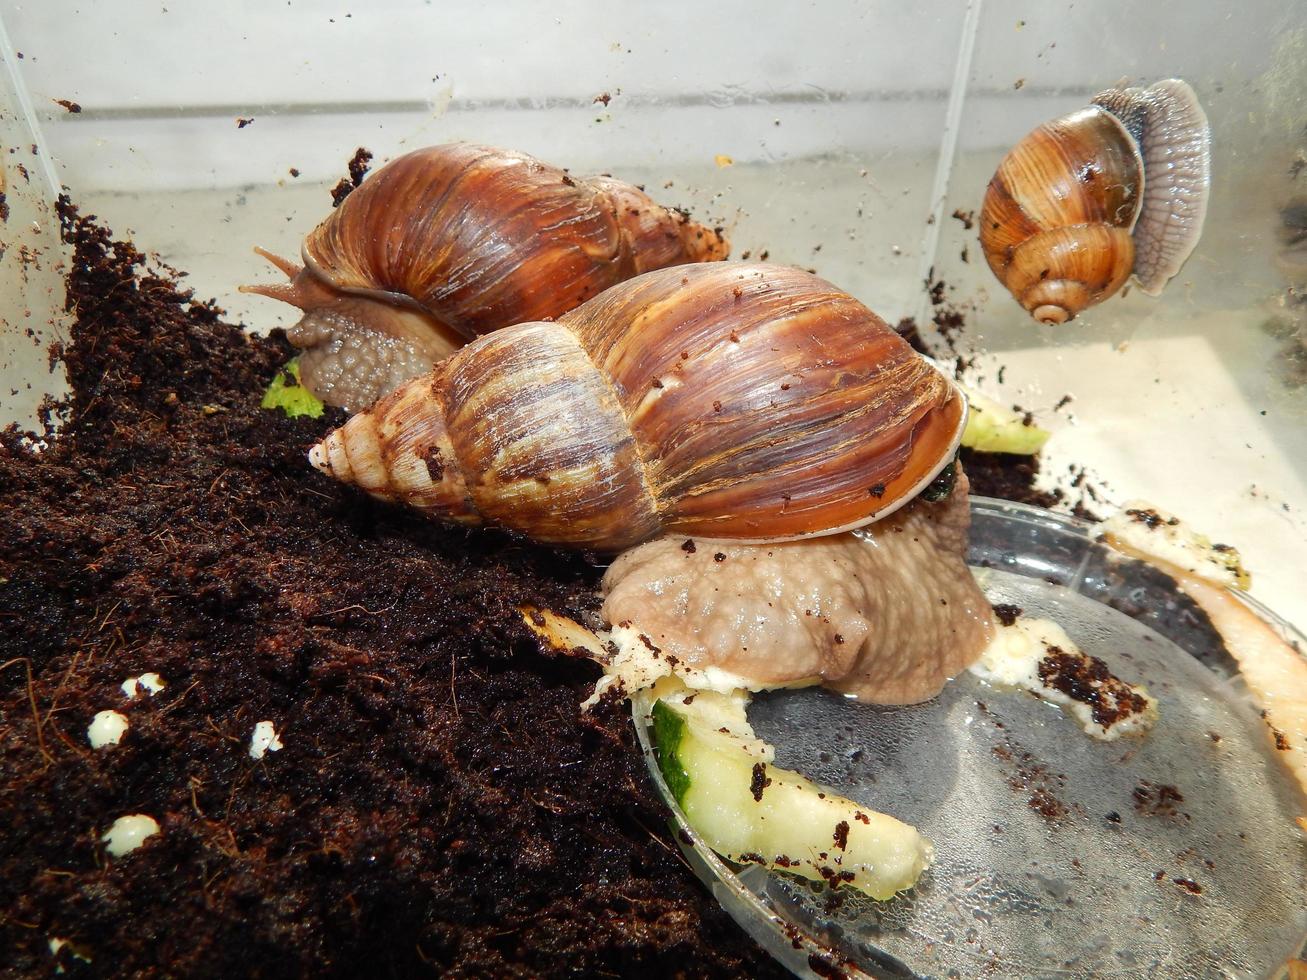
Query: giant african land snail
pixel 449 242
pixel 737 401
pixel 1081 203
pixel 753 406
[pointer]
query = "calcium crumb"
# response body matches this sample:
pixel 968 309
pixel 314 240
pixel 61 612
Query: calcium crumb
pixel 128 833
pixel 149 683
pixel 264 740
pixel 106 728
pixel 58 942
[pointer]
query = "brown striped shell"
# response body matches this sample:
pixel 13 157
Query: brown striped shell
pixel 738 401
pixel 1116 189
pixel 450 242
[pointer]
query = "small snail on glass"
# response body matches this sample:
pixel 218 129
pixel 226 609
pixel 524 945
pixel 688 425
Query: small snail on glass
pixel 1116 189
pixel 730 400
pixel 449 242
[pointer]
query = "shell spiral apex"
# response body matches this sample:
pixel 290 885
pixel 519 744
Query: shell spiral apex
pixel 733 401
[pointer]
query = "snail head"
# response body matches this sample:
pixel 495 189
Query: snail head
pixel 355 345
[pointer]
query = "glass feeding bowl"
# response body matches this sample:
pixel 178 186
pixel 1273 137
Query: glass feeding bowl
pixel 1172 855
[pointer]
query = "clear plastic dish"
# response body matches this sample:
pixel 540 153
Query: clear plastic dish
pixel 1175 855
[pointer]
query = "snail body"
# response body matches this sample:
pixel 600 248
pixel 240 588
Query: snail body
pixel 1084 202
pixel 734 401
pixel 450 242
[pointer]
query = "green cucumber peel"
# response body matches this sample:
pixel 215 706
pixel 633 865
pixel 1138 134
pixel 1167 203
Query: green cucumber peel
pixel 668 730
pixel 292 397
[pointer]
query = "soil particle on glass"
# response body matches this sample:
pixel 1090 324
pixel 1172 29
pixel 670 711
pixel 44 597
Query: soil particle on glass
pixel 1158 800
pixel 1047 805
pixel 1028 775
pixel 1006 613
pixel 823 967
pixel 359 165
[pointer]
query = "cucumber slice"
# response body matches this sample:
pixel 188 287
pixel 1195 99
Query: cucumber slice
pixel 992 428
pixel 750 811
pixel 291 397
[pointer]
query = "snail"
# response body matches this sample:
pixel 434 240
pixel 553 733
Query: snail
pixel 751 405
pixel 736 401
pixel 449 242
pixel 1115 189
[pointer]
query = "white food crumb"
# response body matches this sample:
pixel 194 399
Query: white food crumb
pixel 106 728
pixel 639 664
pixel 57 943
pixel 721 717
pixel 634 666
pixel 264 740
pixel 128 833
pixel 1013 658
pixel 151 683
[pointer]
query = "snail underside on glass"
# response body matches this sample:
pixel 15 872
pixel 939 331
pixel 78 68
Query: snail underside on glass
pixel 1084 202
pixel 450 242
pixel 729 428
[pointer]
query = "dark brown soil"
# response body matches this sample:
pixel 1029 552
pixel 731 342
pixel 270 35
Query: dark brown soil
pixel 439 805
pixel 1007 476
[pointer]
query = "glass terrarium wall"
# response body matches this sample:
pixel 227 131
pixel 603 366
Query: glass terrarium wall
pixel 808 131
pixel 1195 400
pixel 31 255
pixel 836 136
